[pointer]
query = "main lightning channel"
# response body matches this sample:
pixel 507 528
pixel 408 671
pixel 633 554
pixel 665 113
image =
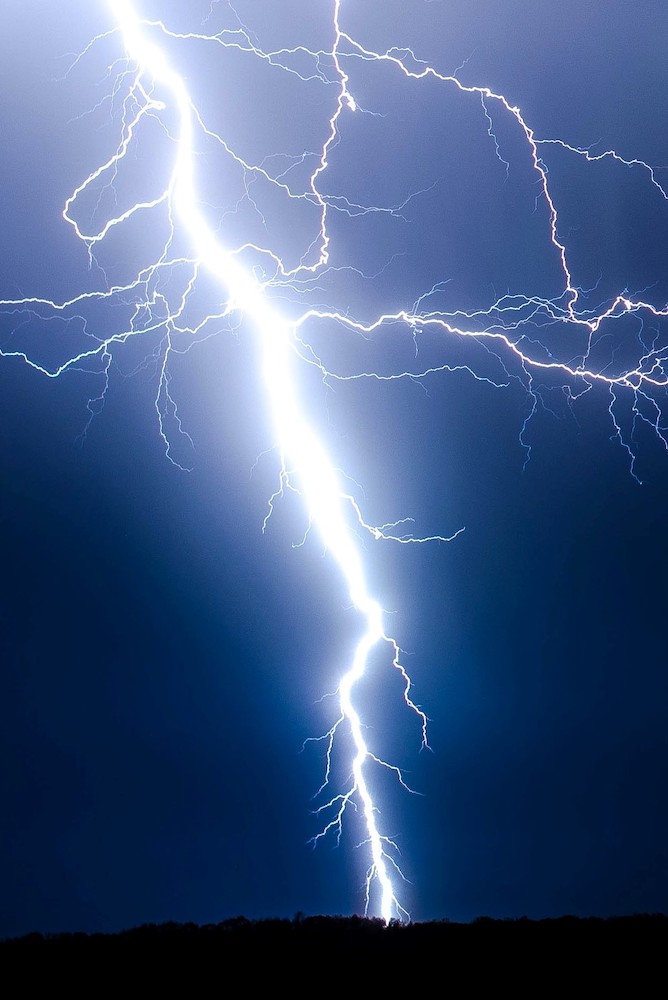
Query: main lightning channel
pixel 302 453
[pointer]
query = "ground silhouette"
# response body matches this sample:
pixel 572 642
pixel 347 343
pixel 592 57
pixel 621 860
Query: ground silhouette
pixel 346 955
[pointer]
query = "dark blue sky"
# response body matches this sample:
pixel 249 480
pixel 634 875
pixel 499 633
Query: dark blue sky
pixel 162 659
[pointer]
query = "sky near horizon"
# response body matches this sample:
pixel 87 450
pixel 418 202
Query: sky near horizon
pixel 163 658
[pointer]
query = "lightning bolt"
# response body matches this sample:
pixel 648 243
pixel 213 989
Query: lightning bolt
pixel 148 92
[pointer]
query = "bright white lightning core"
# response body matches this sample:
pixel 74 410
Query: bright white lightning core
pixel 304 460
pixel 154 90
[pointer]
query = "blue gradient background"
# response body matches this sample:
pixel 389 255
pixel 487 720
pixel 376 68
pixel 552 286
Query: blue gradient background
pixel 162 660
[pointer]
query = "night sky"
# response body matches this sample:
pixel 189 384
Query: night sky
pixel 163 659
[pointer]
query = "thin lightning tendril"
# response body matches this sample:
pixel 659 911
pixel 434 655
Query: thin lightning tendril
pixel 150 89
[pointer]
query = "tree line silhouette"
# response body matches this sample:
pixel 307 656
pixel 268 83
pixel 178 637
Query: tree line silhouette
pixel 346 954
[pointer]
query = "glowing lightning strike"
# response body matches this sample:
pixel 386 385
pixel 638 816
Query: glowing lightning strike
pixel 505 329
pixel 301 451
